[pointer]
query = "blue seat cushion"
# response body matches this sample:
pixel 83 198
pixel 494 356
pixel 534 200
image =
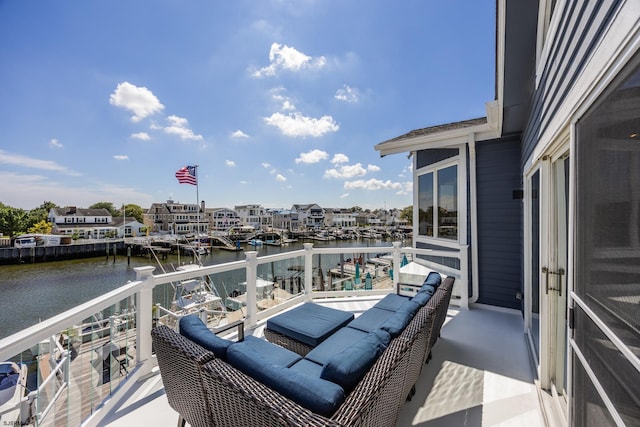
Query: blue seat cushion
pixel 391 302
pixel 312 392
pixel 309 323
pixel 194 329
pixel 307 367
pixel 433 279
pixel 349 366
pixel 371 319
pixel 337 342
pixel 273 353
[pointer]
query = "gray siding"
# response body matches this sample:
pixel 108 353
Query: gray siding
pixel 499 222
pixel 582 24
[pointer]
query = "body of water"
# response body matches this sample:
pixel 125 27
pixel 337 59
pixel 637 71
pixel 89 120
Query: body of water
pixel 34 292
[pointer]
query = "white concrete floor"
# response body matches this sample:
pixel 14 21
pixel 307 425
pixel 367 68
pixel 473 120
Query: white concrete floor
pixel 480 375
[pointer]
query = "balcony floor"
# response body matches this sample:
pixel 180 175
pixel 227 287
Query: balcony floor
pixel 480 375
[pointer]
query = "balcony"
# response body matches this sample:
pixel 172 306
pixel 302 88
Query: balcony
pixel 94 364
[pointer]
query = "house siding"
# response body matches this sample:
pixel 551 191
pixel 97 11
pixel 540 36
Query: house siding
pixel 499 222
pixel 582 25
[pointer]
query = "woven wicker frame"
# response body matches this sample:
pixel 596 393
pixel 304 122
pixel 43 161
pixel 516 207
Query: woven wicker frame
pixel 207 391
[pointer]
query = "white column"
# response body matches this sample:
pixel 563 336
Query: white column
pixel 308 271
pixel 252 275
pixel 144 318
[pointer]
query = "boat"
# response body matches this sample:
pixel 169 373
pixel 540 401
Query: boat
pixel 13 380
pixel 264 291
pixel 256 242
pixel 194 295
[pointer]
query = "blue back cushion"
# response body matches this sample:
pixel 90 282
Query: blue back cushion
pixel 318 395
pixel 434 279
pixel 396 324
pixel 348 367
pixel 424 295
pixel 194 329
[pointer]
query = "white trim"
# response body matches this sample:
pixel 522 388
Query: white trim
pixel 596 384
pixel 473 211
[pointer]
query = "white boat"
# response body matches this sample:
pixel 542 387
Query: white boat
pixel 13 381
pixel 194 294
pixel 238 297
pixel 255 242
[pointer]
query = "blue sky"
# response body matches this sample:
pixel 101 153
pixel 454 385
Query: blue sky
pixel 278 102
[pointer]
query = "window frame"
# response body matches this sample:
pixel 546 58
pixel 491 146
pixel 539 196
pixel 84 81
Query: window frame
pixel 459 161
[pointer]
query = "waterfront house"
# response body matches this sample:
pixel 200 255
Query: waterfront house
pixel 543 196
pixel 177 218
pixel 309 215
pixel 339 217
pixel 285 219
pixel 221 219
pixel 253 215
pixel 82 223
pixel 128 227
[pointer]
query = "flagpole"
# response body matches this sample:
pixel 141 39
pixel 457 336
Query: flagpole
pixel 197 200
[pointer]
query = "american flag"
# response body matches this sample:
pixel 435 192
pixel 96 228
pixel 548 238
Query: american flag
pixel 187 175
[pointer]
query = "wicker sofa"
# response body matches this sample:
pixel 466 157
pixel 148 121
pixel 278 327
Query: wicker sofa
pixel 206 389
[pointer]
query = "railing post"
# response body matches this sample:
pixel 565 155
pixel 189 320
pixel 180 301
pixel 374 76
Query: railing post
pixel 464 277
pixel 252 276
pixel 396 263
pixel 144 318
pixel 308 271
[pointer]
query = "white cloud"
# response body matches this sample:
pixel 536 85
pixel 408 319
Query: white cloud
pixel 139 100
pixel 239 134
pixel 313 156
pixel 230 163
pixel 295 124
pixel 344 196
pixel 280 178
pixel 346 172
pixel 143 136
pixel 266 165
pixel 373 168
pixel 402 188
pixel 288 106
pixel 339 158
pixel 30 162
pixel 347 94
pixel 180 126
pixel 121 157
pixel 282 57
pixel 55 143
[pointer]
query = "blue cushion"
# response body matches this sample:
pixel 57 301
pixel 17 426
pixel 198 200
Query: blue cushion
pixel 433 279
pixel 193 328
pixel 337 342
pixel 307 367
pixel 274 354
pixel 391 302
pixel 410 308
pixel 395 324
pixel 348 367
pixel 371 319
pixel 309 323
pixel 423 297
pixel 318 395
pixel 428 288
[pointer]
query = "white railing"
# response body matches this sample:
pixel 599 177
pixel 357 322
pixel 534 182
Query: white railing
pixel 112 377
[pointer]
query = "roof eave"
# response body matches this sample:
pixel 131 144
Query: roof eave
pixel 437 140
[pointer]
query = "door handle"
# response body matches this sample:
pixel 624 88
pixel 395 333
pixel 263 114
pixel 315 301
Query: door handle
pixel 558 273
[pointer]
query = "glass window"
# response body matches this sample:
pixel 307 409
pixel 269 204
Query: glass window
pixel 425 204
pixel 448 203
pixel 438 189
